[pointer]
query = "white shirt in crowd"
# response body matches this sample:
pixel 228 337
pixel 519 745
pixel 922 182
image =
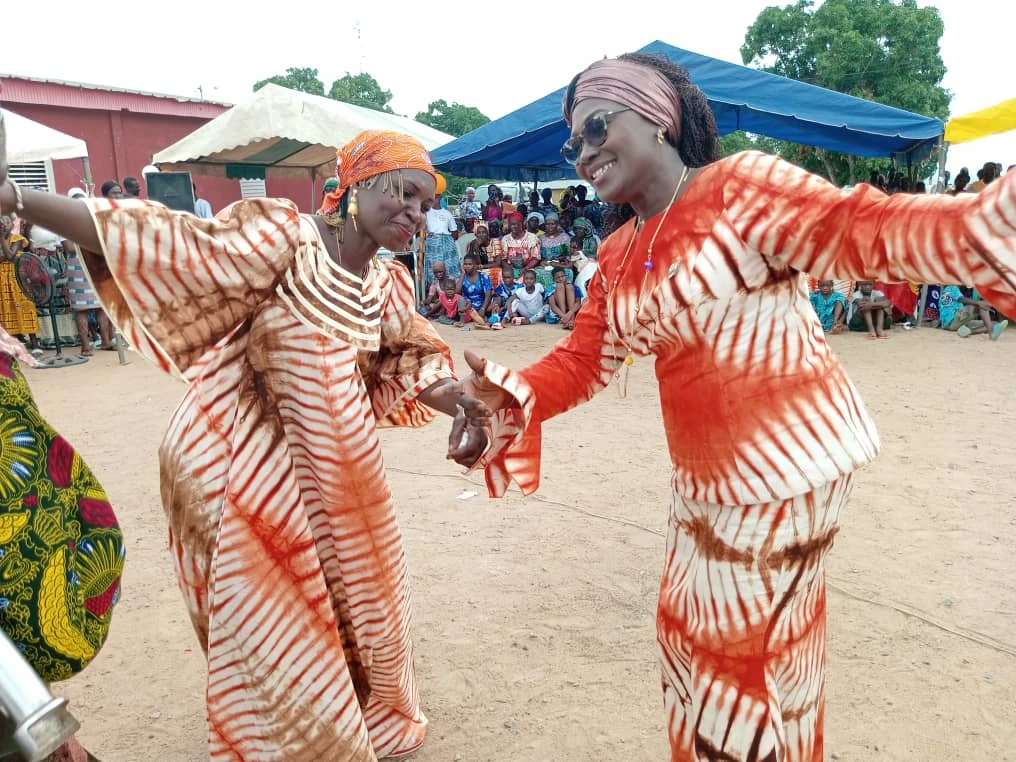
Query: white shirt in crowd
pixel 531 302
pixel 45 239
pixel 440 222
pixel 584 276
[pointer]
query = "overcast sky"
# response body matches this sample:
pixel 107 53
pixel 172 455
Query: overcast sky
pixel 469 52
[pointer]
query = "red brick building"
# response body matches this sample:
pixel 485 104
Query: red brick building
pixel 123 129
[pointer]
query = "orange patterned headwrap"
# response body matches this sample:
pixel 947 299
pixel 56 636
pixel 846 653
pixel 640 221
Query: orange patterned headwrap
pixel 374 152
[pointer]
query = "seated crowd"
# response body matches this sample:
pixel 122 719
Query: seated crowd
pixel 537 270
pixel 500 264
pixel 960 309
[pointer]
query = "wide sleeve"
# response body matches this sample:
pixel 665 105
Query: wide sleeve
pixel 794 217
pixel 411 358
pixel 578 367
pixel 175 284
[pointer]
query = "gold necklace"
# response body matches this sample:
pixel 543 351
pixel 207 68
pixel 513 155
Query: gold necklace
pixel 629 360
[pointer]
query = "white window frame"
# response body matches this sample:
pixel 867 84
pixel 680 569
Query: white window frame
pixel 37 175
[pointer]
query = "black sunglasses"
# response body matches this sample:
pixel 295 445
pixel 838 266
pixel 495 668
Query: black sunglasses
pixel 594 132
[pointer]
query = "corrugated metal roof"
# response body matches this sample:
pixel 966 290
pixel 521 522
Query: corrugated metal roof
pixel 15 88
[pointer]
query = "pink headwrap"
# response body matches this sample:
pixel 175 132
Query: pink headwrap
pixel 643 89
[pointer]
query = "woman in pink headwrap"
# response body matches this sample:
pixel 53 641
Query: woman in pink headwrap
pixel 296 345
pixel 764 428
pixel 518 246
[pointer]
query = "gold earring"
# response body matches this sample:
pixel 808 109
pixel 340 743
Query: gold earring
pixel 659 136
pixel 352 208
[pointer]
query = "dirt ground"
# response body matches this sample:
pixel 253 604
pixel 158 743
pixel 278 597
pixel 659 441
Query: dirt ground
pixel 534 618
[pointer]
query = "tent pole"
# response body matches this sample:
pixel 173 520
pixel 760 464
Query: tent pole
pixel 86 167
pixel 922 303
pixel 121 343
pixel 943 152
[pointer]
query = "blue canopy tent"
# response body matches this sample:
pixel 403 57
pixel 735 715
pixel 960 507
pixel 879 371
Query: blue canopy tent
pixel 525 145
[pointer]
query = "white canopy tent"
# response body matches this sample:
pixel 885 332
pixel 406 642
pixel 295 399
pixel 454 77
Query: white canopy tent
pixel 31 141
pixel 280 132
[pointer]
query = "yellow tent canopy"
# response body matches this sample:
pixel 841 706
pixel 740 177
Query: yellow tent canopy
pixel 980 124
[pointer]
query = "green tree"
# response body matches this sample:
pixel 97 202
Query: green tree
pixel 735 142
pixel 880 50
pixel 454 118
pixel 361 90
pixel 304 80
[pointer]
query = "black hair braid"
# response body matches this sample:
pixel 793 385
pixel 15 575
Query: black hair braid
pixel 697 143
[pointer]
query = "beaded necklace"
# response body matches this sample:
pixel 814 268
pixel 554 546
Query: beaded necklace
pixel 629 360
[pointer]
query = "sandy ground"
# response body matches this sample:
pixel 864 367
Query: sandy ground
pixel 534 617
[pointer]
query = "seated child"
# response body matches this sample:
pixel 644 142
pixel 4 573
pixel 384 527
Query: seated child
pixel 456 309
pixel 870 311
pixel 475 285
pixel 564 301
pixel 507 286
pixel 502 295
pixel 526 305
pixel 830 306
pixel 431 307
pixel 449 299
pixel 498 314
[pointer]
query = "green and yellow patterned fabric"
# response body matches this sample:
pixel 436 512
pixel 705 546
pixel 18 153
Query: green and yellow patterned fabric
pixel 61 550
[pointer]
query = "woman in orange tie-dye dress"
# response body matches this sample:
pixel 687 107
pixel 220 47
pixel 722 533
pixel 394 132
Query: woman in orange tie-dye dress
pixel 764 428
pixel 296 345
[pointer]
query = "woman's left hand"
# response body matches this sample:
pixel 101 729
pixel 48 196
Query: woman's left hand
pixel 469 436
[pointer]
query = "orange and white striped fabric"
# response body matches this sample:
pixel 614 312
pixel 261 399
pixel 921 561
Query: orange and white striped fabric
pixel 281 521
pixel 764 427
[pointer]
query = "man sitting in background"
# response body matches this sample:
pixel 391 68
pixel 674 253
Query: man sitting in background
pixel 967 315
pixel 870 311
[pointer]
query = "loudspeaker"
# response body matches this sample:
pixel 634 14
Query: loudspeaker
pixel 174 189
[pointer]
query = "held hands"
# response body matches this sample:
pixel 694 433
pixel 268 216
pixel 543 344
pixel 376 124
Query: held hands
pixel 471 419
pixel 470 432
pixel 471 427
